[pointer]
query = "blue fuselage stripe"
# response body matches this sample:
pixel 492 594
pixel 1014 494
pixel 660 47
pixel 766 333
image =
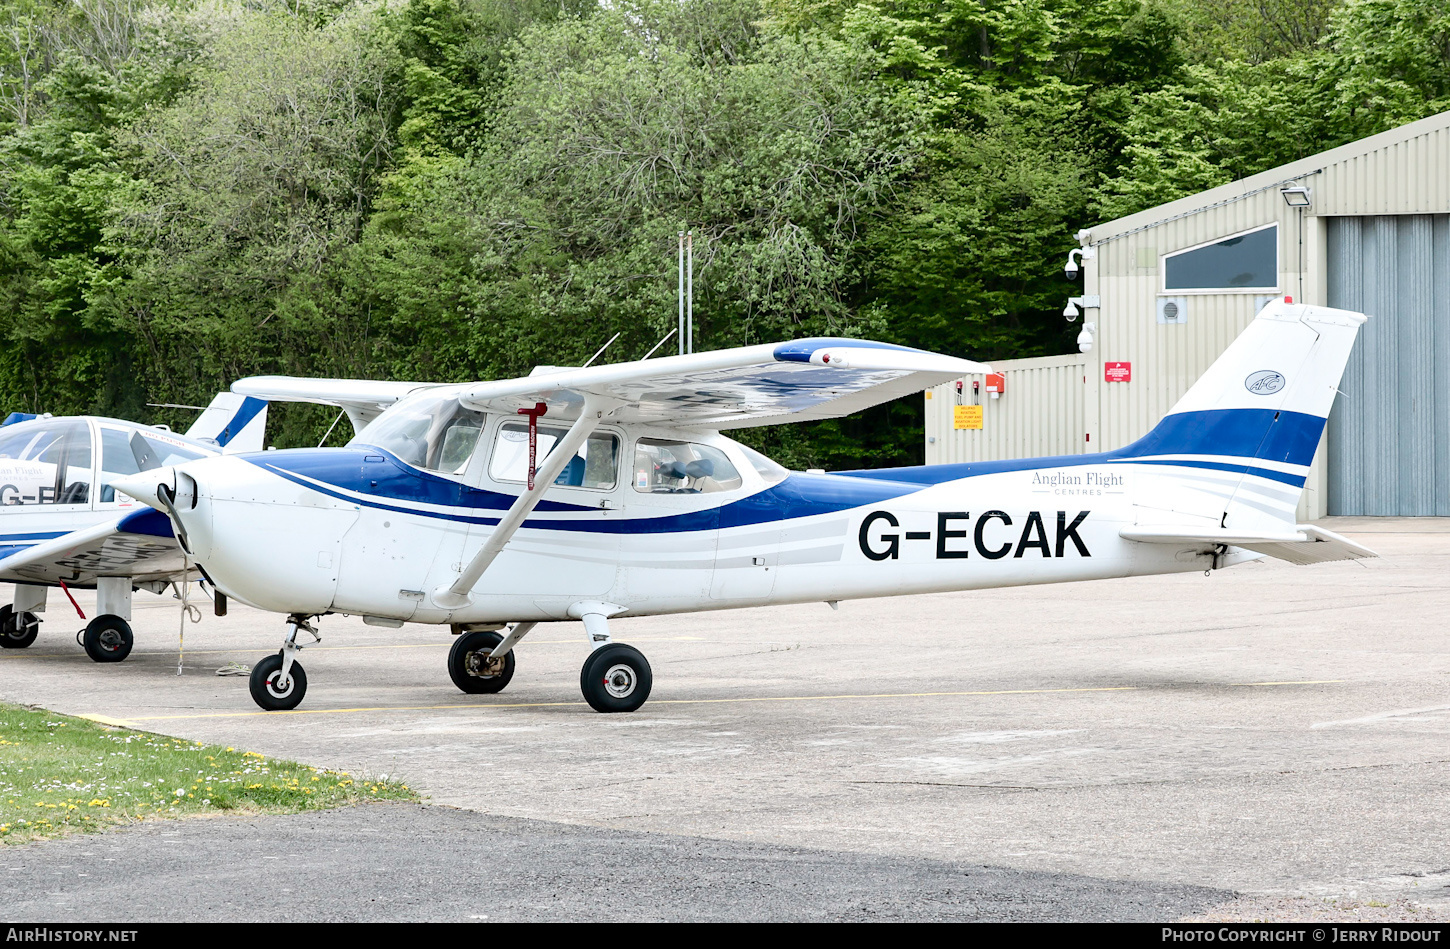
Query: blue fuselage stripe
pixel 1263 434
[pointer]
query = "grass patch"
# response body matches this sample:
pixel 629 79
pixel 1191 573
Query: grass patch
pixel 60 775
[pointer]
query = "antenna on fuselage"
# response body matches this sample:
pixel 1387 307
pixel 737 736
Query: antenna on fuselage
pixel 664 340
pixel 603 348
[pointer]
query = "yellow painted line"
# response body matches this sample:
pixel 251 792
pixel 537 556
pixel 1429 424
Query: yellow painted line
pixel 17 654
pixel 113 722
pixel 725 701
pixel 759 698
pixel 1303 682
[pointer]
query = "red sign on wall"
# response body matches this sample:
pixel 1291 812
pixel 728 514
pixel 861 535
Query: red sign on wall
pixel 1117 372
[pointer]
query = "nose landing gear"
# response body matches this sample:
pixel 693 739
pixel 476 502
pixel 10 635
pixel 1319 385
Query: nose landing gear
pixel 278 682
pixel 615 677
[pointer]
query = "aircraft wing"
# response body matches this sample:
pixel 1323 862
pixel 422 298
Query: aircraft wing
pixel 362 399
pixel 139 544
pixel 1303 544
pixel 801 380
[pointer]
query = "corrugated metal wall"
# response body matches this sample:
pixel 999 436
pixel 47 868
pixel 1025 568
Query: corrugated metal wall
pixel 1168 358
pixel 1390 428
pixel 1042 412
pixel 1404 171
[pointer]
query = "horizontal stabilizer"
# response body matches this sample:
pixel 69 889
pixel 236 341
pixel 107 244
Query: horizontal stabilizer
pixel 1302 544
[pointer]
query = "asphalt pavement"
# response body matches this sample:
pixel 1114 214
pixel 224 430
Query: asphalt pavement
pixel 1271 731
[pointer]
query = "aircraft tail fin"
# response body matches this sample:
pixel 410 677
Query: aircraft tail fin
pixel 1251 425
pixel 234 422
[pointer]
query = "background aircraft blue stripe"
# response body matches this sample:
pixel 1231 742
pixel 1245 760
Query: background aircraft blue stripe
pixel 245 413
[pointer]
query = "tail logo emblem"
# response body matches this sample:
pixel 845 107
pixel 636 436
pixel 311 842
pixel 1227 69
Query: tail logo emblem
pixel 1264 382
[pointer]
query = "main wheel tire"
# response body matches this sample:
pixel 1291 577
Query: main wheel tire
pixel 470 667
pixel 17 630
pixel 108 639
pixel 616 678
pixel 265 691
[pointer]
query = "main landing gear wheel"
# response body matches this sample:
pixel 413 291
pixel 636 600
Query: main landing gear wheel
pixel 271 692
pixel 107 639
pixel 616 678
pixel 471 668
pixel 17 630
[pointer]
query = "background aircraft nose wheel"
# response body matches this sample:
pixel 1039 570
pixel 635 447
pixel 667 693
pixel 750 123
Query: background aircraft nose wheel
pixel 270 693
pixel 107 639
pixel 616 678
pixel 17 630
pixel 472 670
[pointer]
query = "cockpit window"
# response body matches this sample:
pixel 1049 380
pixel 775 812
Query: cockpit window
pixel 47 462
pixel 666 466
pixel 428 431
pixel 593 466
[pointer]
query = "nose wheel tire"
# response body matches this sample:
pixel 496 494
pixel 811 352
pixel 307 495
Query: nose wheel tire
pixel 107 639
pixel 273 694
pixel 470 667
pixel 17 630
pixel 616 678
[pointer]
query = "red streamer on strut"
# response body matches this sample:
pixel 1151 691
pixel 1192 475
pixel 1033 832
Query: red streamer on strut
pixel 539 409
pixel 66 590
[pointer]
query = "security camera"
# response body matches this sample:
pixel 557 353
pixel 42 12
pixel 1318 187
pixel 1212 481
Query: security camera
pixel 1071 270
pixel 1070 311
pixel 1085 338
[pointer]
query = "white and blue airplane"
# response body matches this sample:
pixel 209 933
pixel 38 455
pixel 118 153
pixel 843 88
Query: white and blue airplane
pixel 604 492
pixel 63 524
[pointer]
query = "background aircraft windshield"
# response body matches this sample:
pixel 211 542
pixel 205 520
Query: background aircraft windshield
pixel 46 462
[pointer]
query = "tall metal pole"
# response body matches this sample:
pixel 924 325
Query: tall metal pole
pixel 681 286
pixel 690 293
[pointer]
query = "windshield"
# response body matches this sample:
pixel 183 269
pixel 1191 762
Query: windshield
pixel 767 469
pixel 428 431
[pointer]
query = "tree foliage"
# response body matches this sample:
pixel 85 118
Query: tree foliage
pixel 461 189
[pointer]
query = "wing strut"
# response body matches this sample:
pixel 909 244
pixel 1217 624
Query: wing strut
pixel 457 595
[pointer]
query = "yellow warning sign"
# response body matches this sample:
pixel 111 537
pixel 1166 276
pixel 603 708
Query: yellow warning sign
pixel 967 416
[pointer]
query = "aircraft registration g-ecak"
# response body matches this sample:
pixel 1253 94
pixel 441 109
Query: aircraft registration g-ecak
pixel 603 492
pixel 62 523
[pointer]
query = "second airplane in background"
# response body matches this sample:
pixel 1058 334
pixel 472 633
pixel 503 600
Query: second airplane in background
pixel 63 524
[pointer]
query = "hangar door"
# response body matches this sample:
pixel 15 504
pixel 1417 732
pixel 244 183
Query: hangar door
pixel 1389 433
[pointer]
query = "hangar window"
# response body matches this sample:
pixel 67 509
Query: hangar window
pixel 1243 262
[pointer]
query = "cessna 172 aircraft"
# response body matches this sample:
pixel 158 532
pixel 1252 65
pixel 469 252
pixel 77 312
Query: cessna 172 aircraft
pixel 62 523
pixel 602 492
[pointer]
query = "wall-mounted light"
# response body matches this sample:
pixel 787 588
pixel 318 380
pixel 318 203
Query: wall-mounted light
pixel 1298 196
pixel 1086 337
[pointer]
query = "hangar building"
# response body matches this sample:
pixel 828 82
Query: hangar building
pixel 1365 227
